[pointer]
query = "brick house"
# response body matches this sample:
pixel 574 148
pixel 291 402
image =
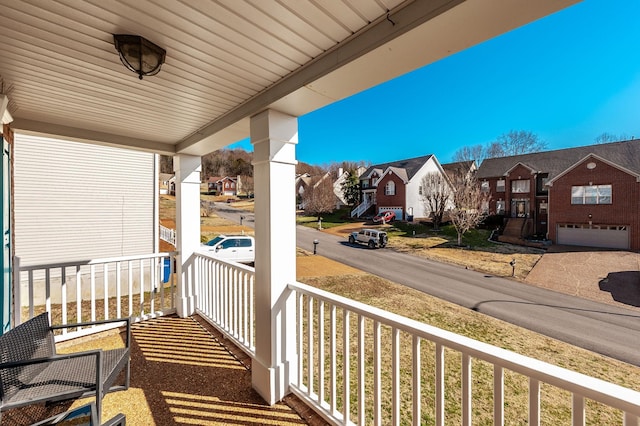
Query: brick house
pixel 587 195
pixel 396 186
pixel 222 185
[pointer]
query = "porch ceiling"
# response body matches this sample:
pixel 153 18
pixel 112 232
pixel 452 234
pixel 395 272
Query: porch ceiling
pixel 226 60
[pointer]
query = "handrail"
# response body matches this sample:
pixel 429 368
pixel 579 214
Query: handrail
pixel 225 298
pixel 136 286
pixel 361 208
pixel 580 385
pixel 168 235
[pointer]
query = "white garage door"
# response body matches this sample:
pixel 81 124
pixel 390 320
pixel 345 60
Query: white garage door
pixel 594 236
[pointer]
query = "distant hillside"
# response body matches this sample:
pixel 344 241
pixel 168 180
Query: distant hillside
pixel 232 162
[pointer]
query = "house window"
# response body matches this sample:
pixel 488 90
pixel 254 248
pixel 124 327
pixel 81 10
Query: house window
pixel 485 207
pixel 420 190
pixel 520 186
pixel 500 206
pixel 484 186
pixel 543 207
pixel 365 184
pixel 233 185
pixel 500 185
pixel 390 188
pixel 591 194
pixel 541 183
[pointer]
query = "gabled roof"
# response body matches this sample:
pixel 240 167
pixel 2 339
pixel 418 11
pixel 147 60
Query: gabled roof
pixel 461 166
pixel 410 165
pixel 402 173
pixel 624 154
pixel 593 157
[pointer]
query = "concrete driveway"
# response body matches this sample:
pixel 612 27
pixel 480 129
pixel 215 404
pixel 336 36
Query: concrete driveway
pixel 605 276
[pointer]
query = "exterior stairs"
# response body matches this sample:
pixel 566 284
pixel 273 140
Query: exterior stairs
pixel 513 231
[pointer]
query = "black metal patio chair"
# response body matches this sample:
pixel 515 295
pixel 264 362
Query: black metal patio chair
pixel 32 372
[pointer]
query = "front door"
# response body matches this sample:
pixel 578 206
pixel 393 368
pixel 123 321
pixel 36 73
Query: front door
pixel 5 263
pixel 519 208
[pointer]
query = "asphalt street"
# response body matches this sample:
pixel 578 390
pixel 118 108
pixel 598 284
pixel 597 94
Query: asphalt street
pixel 605 329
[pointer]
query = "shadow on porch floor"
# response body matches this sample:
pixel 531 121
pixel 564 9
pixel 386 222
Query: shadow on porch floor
pixel 181 374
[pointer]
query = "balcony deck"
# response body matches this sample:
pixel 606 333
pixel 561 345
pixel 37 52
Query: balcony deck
pixel 182 372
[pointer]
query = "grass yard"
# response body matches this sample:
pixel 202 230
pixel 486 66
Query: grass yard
pixel 555 404
pixel 329 220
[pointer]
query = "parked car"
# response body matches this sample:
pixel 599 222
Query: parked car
pixel 386 216
pixel 236 248
pixel 373 238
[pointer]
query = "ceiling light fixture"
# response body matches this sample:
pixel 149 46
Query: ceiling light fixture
pixel 138 54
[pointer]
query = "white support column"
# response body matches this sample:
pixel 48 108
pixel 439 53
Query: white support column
pixel 187 169
pixel 274 136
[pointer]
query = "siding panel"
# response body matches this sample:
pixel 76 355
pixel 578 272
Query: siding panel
pixel 78 201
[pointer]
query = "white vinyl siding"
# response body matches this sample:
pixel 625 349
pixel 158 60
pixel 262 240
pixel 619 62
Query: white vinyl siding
pixel 77 201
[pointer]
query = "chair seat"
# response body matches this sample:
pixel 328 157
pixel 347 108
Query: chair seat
pixel 70 378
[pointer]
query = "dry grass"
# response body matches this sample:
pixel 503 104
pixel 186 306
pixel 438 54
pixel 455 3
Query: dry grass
pixel 490 259
pixel 395 298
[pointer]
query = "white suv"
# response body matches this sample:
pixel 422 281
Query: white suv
pixel 236 248
pixel 371 237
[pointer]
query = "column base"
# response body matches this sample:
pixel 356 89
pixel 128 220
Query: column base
pixel 186 306
pixel 270 382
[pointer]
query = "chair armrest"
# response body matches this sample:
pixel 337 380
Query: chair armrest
pixel 98 322
pixel 13 364
pixel 117 420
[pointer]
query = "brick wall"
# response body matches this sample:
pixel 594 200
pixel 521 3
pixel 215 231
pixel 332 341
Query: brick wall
pixel 397 200
pixel 625 199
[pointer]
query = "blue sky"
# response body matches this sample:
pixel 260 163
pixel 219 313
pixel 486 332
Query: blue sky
pixel 568 78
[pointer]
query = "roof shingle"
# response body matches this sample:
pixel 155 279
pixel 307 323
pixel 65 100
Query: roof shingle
pixel 625 154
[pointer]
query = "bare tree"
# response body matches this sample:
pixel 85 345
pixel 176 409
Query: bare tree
pixel 245 185
pixel 475 153
pixel 516 142
pixel 319 197
pixel 436 195
pixel 606 137
pixel 468 204
pixel 166 164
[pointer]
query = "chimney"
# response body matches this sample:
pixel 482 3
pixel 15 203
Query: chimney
pixel 340 171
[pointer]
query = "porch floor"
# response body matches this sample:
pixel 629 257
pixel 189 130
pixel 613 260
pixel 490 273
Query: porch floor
pixel 182 372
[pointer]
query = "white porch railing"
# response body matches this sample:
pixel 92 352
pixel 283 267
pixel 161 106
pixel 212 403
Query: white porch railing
pixel 389 389
pixel 168 235
pixel 383 363
pixel 348 348
pixel 139 287
pixel 361 208
pixel 225 297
